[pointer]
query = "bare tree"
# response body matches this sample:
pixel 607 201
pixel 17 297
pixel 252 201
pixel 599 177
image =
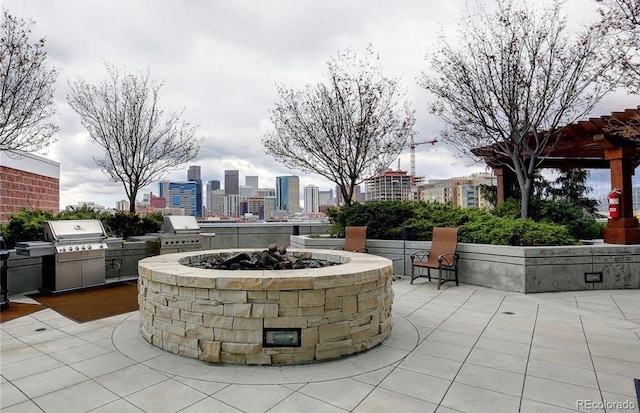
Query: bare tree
pixel 346 129
pixel 514 78
pixel 26 89
pixel 140 143
pixel 620 20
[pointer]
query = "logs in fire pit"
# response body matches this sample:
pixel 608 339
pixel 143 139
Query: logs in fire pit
pixel 273 258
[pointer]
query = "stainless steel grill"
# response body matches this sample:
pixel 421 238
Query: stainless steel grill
pixel 180 234
pixel 73 254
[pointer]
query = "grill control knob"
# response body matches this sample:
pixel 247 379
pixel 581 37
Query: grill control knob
pixel 77 248
pixel 82 247
pixel 101 246
pixel 88 247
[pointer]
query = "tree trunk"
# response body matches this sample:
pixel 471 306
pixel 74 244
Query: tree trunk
pixel 525 197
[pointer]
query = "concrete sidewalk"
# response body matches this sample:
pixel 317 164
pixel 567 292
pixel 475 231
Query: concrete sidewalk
pixel 460 349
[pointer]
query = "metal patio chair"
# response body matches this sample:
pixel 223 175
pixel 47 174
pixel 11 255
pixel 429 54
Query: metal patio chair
pixel 355 239
pixel 441 256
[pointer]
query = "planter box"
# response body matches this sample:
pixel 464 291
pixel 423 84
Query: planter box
pixel 519 269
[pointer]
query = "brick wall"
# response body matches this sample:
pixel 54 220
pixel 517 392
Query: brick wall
pixel 21 189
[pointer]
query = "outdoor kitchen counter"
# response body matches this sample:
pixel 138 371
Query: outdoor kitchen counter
pixel 228 316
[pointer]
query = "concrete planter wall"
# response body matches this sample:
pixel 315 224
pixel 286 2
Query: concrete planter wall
pixel 519 269
pixel 230 235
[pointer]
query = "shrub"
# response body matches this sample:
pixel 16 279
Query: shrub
pixel 126 224
pixel 509 231
pixel 26 225
pixel 502 226
pixel 579 222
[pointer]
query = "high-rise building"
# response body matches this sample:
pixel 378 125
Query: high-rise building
pixel 246 191
pixel 213 185
pixel 232 205
pixel 358 195
pixel 193 175
pixel 265 192
pixel 389 185
pixel 180 195
pixel 255 206
pixel 311 199
pixel 251 181
pixel 215 202
pixel 326 197
pixel 269 206
pixel 288 193
pixel 231 182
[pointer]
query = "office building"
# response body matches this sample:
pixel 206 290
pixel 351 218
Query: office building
pixel 265 192
pixel 215 202
pixel 255 206
pixel 269 206
pixel 232 205
pixel 246 191
pixel 213 185
pixel 251 181
pixel 311 199
pixel 231 182
pixel 288 193
pixel 325 197
pixel 193 175
pixel 358 195
pixel 180 195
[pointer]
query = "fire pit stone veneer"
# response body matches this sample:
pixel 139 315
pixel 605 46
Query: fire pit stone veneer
pixel 219 315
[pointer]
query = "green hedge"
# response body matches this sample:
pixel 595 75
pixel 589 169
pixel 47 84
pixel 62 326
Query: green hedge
pixel 556 222
pixel 27 225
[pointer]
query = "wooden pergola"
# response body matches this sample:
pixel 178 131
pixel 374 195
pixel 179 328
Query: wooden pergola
pixel 611 141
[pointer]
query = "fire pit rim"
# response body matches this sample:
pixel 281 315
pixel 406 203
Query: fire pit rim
pixel 355 268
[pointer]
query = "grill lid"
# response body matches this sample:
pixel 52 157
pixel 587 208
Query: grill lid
pixel 74 230
pixel 180 224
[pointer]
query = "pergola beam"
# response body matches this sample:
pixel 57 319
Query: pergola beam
pixel 610 141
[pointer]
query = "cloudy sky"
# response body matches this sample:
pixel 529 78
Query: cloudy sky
pixel 221 61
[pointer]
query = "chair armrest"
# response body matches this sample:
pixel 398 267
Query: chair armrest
pixel 420 255
pixel 449 260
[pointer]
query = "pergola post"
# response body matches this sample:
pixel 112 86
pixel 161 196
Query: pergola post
pixel 504 183
pixel 623 230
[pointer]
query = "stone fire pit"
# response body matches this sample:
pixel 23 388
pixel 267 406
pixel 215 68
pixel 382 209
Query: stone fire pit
pixel 265 316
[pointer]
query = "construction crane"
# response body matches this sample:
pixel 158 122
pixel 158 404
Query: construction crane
pixel 412 147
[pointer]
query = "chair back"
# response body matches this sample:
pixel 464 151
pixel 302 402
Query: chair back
pixel 444 241
pixel 355 238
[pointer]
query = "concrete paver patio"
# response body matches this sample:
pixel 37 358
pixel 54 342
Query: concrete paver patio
pixel 459 349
